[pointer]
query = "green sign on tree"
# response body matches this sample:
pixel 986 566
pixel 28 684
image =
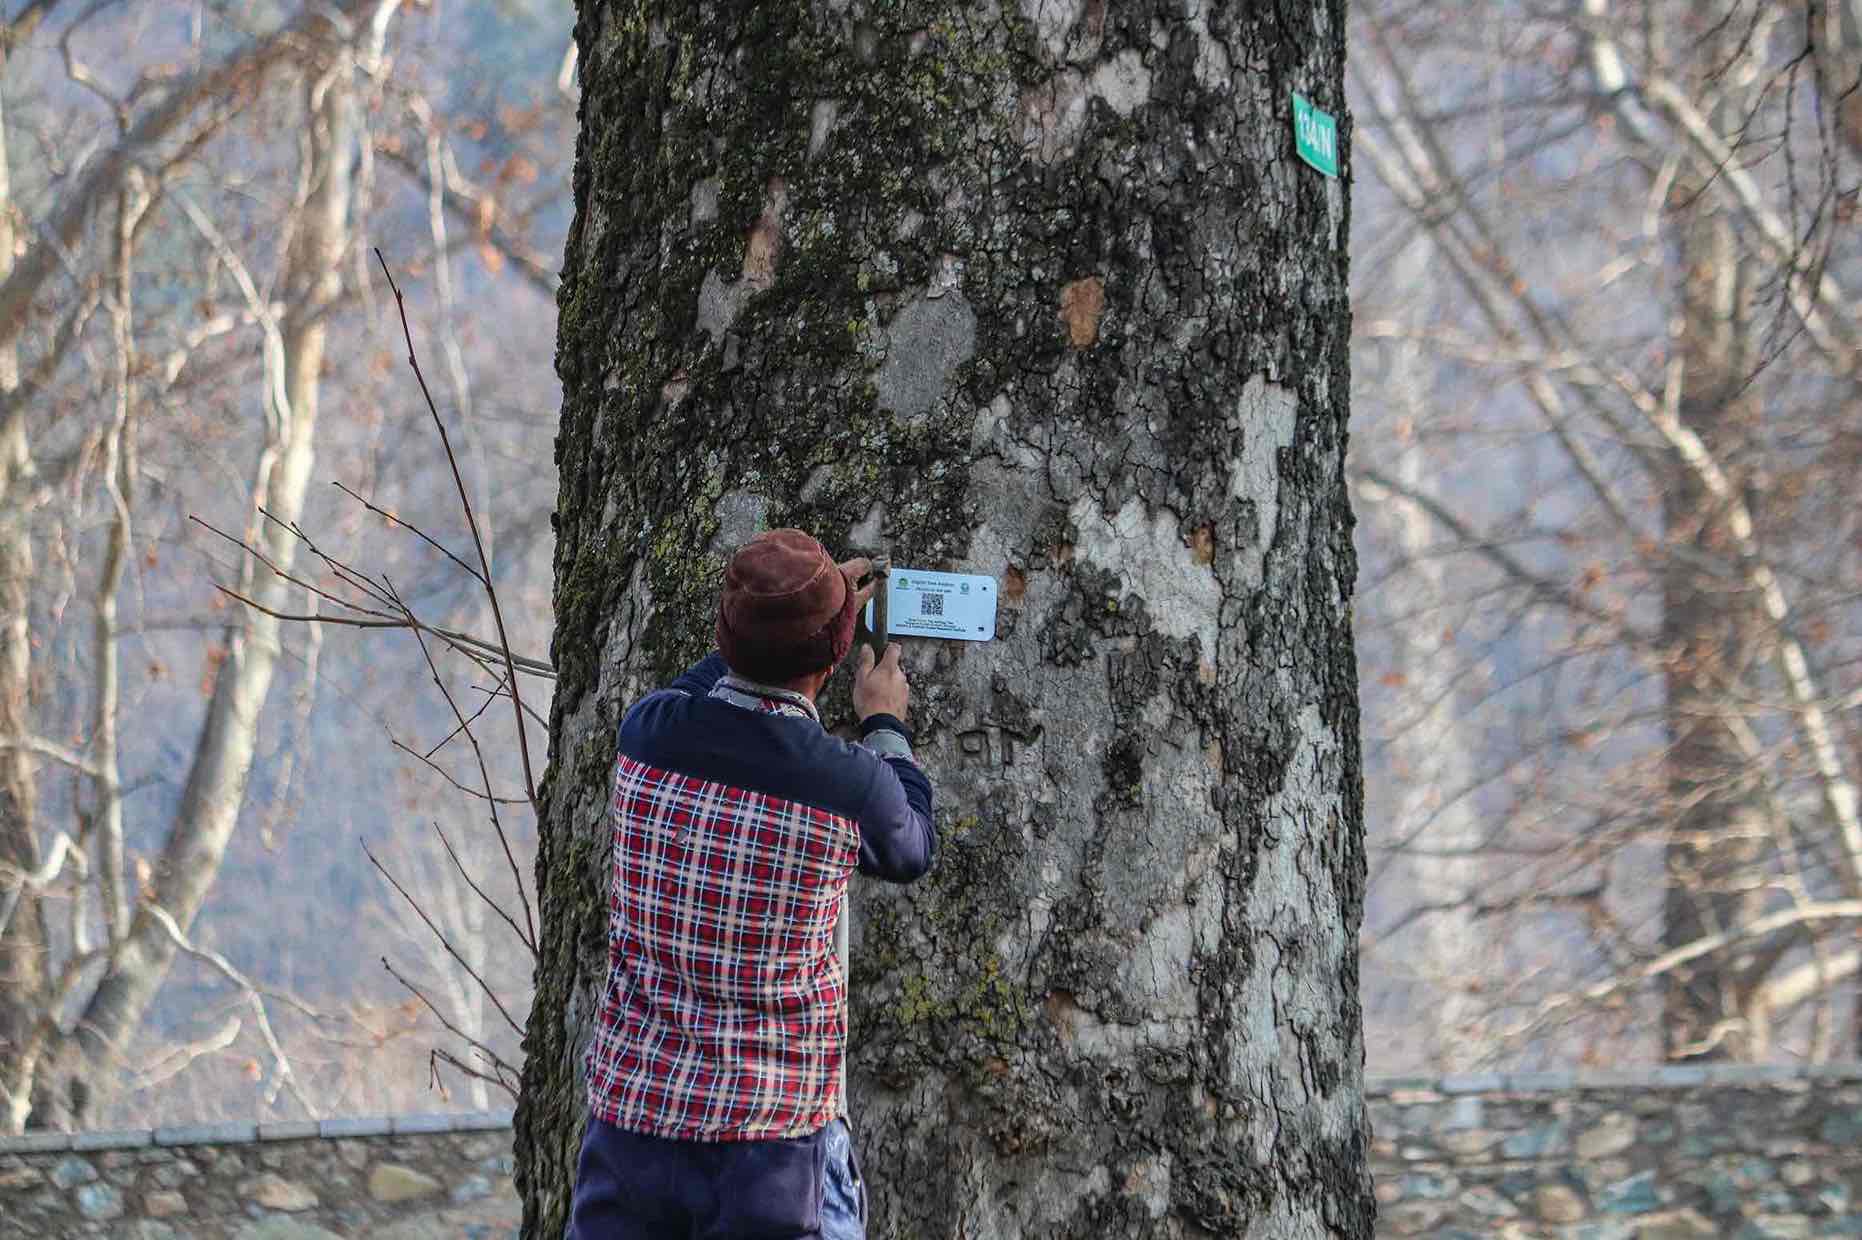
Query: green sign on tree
pixel 1315 135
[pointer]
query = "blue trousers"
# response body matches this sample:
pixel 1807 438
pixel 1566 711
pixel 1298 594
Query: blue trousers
pixel 634 1187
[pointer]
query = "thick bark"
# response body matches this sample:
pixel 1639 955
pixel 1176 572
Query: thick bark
pixel 1046 297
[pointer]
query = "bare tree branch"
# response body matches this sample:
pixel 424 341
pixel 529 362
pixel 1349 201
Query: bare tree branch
pixel 491 800
pixel 480 892
pixel 1667 962
pixel 232 75
pixel 18 883
pixel 394 520
pixel 445 942
pixel 491 592
pixel 454 1029
pixel 252 993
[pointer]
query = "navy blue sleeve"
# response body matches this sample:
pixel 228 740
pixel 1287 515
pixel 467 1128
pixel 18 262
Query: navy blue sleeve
pixel 698 678
pixel 898 834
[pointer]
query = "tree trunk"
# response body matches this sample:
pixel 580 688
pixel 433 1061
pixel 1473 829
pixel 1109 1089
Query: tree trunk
pixel 1431 744
pixel 22 935
pixel 1047 298
pixel 1712 630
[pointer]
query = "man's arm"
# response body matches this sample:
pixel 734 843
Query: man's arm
pixel 898 832
pixel 898 826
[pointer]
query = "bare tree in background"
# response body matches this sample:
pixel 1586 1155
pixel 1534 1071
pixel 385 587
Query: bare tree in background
pixel 1641 456
pixel 22 935
pixel 1432 969
pixel 174 299
pixel 108 983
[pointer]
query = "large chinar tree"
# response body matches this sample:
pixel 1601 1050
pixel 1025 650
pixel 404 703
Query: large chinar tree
pixel 1042 293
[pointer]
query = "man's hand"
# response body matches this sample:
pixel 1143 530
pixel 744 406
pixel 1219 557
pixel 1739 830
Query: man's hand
pixel 880 689
pixel 855 569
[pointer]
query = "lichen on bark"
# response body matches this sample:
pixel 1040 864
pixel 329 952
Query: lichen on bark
pixel 1041 294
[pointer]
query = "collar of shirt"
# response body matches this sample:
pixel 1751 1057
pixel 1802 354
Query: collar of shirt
pixel 767 699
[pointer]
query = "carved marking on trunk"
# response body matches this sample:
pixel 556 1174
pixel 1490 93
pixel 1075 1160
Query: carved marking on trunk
pixel 982 746
pixel 764 248
pixel 1081 304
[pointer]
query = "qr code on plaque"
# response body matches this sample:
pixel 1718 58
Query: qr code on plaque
pixel 930 604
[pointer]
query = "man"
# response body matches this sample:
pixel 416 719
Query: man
pixel 714 1074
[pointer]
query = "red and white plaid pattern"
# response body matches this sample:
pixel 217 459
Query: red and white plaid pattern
pixel 725 1014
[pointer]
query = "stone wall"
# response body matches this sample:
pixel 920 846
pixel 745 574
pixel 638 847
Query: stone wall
pixel 419 1177
pixel 1660 1154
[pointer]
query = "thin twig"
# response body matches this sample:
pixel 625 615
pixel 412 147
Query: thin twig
pixel 484 771
pixel 491 590
pixel 470 882
pixel 444 942
pixel 462 725
pixel 503 691
pixel 306 617
pixel 361 581
pixel 463 643
pixel 443 773
pixel 440 1016
pixel 379 591
pixel 283 574
pixel 437 1053
pixel 343 571
pixel 411 528
pixel 219 962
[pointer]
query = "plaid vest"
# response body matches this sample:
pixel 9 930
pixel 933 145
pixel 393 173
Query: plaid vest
pixel 725 1013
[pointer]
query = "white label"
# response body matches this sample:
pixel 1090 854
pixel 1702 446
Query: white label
pixel 957 606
